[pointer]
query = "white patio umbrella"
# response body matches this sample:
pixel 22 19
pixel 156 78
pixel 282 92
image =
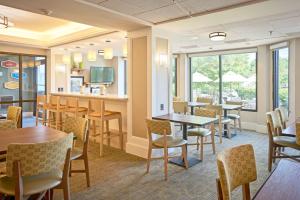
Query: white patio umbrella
pixel 232 77
pixel 200 78
pixel 250 82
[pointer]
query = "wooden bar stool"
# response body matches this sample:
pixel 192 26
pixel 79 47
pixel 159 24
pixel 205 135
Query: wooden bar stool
pixel 97 113
pixel 55 109
pixel 41 102
pixel 73 108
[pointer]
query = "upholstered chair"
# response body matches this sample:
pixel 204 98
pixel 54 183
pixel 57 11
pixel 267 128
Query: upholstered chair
pixel 177 98
pixel 165 140
pixel 278 141
pixel 79 127
pixel 37 168
pixel 236 117
pixel 14 114
pixel 73 108
pixel 236 167
pixel 6 125
pixel 207 100
pixel 41 103
pixel 283 116
pixel 180 107
pixel 202 132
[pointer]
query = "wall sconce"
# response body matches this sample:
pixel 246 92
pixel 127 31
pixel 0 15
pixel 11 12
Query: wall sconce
pixel 163 60
pixel 66 59
pixel 125 51
pixel 92 56
pixel 77 57
pixel 108 53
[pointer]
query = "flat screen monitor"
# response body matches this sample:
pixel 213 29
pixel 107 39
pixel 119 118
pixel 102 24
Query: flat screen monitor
pixel 103 75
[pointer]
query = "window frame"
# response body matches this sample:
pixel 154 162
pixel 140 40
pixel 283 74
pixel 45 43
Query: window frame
pixel 220 54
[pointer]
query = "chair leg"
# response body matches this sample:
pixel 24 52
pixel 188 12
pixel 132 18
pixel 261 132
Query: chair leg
pixel 107 132
pixel 36 117
pixel 213 143
pixel 66 191
pixel 274 154
pixel 120 133
pixel 101 137
pixel 240 124
pixel 220 132
pixel 234 124
pixel 184 154
pixel 149 157
pixel 270 157
pixel 166 162
pixel 228 131
pixel 201 148
pixel 197 142
pixel 246 192
pixel 87 171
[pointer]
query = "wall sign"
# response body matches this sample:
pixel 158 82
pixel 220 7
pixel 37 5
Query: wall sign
pixel 11 85
pixel 15 75
pixel 8 64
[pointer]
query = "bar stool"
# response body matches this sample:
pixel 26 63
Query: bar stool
pixel 73 108
pixel 41 102
pixel 55 109
pixel 97 113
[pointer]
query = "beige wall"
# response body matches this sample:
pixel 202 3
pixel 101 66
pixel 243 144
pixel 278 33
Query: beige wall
pixel 139 86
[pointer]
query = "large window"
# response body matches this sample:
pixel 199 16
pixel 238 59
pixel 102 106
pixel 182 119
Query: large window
pixel 281 77
pixel 224 77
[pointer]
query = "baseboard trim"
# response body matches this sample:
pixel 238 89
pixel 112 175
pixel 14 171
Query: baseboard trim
pixel 137 146
pixel 254 127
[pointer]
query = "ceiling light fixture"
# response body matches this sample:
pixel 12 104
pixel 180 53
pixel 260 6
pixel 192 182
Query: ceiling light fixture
pixel 217 36
pixel 92 56
pixel 108 53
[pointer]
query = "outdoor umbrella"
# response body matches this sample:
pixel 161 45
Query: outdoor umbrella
pixel 200 78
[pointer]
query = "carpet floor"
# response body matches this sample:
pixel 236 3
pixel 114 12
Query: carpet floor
pixel 122 176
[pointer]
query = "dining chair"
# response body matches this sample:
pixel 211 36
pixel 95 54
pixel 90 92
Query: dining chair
pixel 277 140
pixel 33 169
pixel 165 140
pixel 283 115
pixel 236 167
pixel 180 107
pixel 14 114
pixel 73 108
pixel 6 125
pixel 201 132
pixel 222 121
pixel 207 100
pixel 79 127
pixel 56 110
pixel 41 102
pixel 98 114
pixel 236 117
pixel 176 98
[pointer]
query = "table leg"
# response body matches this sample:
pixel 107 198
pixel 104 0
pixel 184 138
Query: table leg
pixel 226 127
pixel 179 160
pixel 192 110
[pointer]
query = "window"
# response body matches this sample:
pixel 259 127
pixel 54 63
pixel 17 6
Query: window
pixel 174 76
pixel 226 76
pixel 281 78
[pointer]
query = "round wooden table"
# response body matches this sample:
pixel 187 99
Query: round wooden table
pixel 28 135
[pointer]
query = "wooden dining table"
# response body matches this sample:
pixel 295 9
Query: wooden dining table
pixel 226 108
pixel 186 120
pixel 28 135
pixel 282 184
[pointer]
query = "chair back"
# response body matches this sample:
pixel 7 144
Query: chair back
pixel 205 112
pixel 207 100
pixel 283 116
pixel 96 105
pixel 217 108
pixel 274 120
pixel 180 107
pixel 240 103
pixel 14 114
pixel 41 101
pixel 159 127
pixel 76 125
pixel 177 98
pixel 72 102
pixel 38 158
pixel 236 167
pixel 7 124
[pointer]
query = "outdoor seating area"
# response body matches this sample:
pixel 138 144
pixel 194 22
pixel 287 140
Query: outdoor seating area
pixel 149 100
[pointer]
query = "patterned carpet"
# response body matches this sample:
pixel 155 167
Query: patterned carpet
pixel 122 176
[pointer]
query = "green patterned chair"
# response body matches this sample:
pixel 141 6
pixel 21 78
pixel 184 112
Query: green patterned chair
pixel 202 132
pixel 79 127
pixel 36 168
pixel 236 167
pixel 6 125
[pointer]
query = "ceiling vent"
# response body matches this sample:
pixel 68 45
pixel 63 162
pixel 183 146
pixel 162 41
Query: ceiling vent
pixel 236 41
pixel 189 46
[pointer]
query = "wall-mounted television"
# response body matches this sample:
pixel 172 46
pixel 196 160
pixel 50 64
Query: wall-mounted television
pixel 104 75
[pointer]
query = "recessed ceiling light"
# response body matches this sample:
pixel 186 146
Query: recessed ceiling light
pixel 107 41
pixel 217 36
pixel 77 47
pixel 195 38
pixel 126 37
pixel 92 44
pixel 210 48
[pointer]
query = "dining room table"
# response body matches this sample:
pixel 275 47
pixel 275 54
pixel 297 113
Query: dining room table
pixel 37 134
pixel 282 183
pixel 186 120
pixel 195 104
